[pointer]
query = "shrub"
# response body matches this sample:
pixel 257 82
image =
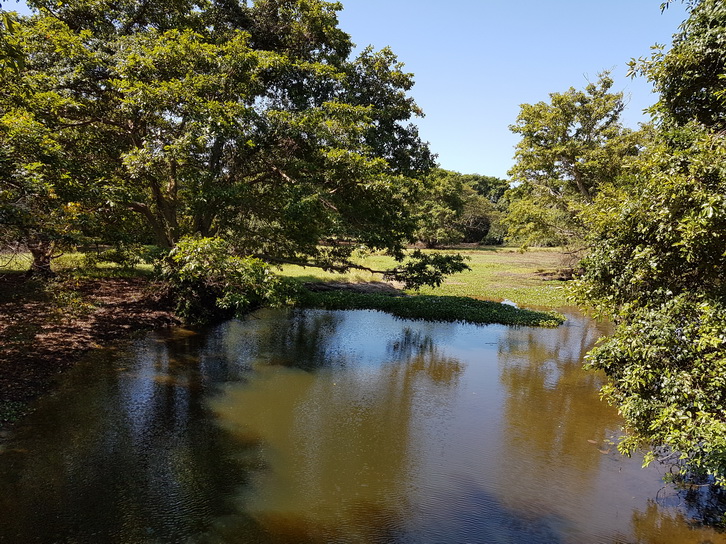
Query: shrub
pixel 208 282
pixel 126 256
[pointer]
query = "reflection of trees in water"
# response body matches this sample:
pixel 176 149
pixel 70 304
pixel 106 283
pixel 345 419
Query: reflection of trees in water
pixel 420 353
pixel 554 419
pixel 120 458
pixel 134 455
pixel 477 517
pixel 342 447
pixel 307 340
pixel 556 427
pixel 705 504
pixel 672 520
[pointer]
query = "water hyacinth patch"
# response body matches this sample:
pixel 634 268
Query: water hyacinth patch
pixel 433 308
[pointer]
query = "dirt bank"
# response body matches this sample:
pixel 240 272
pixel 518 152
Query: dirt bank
pixel 44 330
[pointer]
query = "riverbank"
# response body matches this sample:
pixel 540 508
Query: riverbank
pixel 45 329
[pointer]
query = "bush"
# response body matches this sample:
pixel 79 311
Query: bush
pixel 126 256
pixel 209 283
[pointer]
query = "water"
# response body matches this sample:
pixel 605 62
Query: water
pixel 327 427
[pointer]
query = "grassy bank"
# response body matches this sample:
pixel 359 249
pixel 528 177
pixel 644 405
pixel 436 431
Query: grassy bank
pixel 496 274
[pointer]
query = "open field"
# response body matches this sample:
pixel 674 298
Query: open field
pixel 496 274
pixel 74 264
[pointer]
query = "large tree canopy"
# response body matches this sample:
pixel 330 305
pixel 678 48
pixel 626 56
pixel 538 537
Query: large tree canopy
pixel 569 148
pixel 689 77
pixel 658 264
pixel 246 121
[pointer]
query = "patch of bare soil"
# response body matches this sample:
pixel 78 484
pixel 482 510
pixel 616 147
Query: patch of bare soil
pixel 371 287
pixel 562 274
pixel 41 336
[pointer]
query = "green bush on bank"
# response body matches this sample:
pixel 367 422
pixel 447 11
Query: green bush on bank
pixel 207 282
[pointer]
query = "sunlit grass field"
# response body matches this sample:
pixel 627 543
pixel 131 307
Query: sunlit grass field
pixel 496 274
pixel 73 263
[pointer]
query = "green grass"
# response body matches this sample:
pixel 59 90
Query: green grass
pixel 377 262
pixel 433 308
pixel 496 274
pixel 73 264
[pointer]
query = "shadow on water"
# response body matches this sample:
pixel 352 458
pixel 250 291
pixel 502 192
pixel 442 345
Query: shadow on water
pixel 124 452
pixel 305 341
pixel 318 427
pixel 370 523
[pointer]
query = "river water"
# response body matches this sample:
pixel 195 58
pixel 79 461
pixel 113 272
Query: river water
pixel 336 427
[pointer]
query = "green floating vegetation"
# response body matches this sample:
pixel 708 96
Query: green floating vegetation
pixel 433 308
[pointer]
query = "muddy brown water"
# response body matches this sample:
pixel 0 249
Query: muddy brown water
pixel 336 427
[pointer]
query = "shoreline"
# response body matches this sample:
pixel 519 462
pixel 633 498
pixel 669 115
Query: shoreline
pixel 44 331
pixel 46 328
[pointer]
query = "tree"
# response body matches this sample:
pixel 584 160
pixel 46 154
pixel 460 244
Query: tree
pixel 658 261
pixel 247 122
pixel 477 217
pixel 689 76
pixel 569 149
pixel 490 187
pixel 11 57
pixel 438 206
pixel 39 195
pixel 451 207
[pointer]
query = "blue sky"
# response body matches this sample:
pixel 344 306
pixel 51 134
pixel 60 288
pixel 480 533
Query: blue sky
pixel 476 61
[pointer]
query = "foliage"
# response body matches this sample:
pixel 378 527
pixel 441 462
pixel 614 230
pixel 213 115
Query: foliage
pixel 690 76
pixel 570 148
pixel 433 308
pixel 667 367
pixel 426 269
pixel 490 187
pixel 11 56
pixel 250 122
pixel 452 207
pixel 476 218
pixel 439 203
pixel 659 259
pixel 484 210
pixel 125 256
pixel 247 121
pixel 208 282
pixel 38 197
pixel 657 267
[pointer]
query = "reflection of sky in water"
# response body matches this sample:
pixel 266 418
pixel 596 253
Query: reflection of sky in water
pixel 137 391
pixel 316 426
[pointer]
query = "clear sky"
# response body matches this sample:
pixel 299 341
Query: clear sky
pixel 476 61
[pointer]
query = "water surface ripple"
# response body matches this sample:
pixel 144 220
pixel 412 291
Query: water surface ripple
pixel 336 427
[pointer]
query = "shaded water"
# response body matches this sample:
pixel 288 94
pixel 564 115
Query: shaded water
pixel 355 427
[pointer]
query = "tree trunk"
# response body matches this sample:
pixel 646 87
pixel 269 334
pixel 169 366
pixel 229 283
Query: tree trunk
pixel 42 251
